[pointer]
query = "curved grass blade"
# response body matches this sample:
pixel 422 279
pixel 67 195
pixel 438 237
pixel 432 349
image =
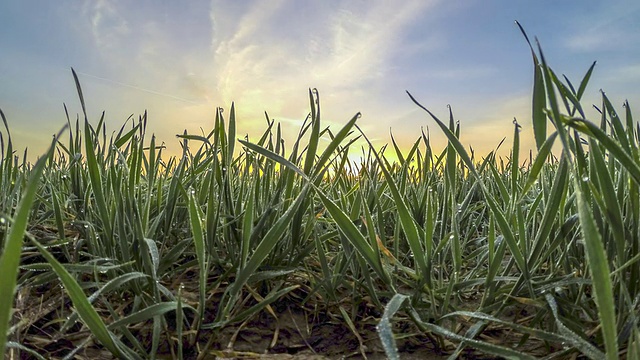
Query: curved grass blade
pixel 385 328
pixel 111 285
pixel 11 253
pixel 574 339
pixel 195 218
pixel 87 312
pixel 588 128
pixel 148 313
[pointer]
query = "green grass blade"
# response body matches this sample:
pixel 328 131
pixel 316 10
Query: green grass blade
pixel 385 328
pixel 572 338
pixel 314 138
pixel 600 273
pixel 196 217
pixel 147 313
pixel 539 162
pixel 11 253
pixel 539 118
pixel 87 312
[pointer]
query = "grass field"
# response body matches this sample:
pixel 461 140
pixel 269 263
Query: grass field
pixel 238 247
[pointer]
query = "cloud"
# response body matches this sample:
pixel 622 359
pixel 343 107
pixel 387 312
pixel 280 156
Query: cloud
pixel 338 45
pixel 624 74
pixel 268 55
pixel 109 27
pixel 609 31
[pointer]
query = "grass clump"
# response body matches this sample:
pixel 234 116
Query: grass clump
pixel 140 257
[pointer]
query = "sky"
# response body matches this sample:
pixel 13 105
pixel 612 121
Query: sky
pixel 180 60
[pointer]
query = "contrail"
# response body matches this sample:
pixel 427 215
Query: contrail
pixel 138 88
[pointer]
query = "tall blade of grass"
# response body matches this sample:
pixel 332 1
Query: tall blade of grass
pixel 600 273
pixel 196 217
pixel 312 147
pixel 612 211
pixel 12 250
pixel 557 194
pixel 247 227
pixel 231 134
pixel 539 118
pixel 95 175
pixel 553 101
pixel 515 161
pixel 397 149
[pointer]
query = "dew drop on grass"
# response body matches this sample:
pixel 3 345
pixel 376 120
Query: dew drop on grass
pixel 3 220
pixel 585 178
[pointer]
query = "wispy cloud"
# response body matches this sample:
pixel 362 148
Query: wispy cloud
pixel 108 26
pixel 336 48
pixel 609 31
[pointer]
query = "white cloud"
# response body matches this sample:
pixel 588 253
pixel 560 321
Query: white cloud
pixel 609 31
pixel 348 48
pixel 109 28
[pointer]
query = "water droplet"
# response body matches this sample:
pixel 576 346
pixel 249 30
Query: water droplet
pixel 86 226
pixel 3 220
pixel 585 178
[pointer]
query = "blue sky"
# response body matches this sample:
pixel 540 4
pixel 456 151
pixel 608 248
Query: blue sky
pixel 181 60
